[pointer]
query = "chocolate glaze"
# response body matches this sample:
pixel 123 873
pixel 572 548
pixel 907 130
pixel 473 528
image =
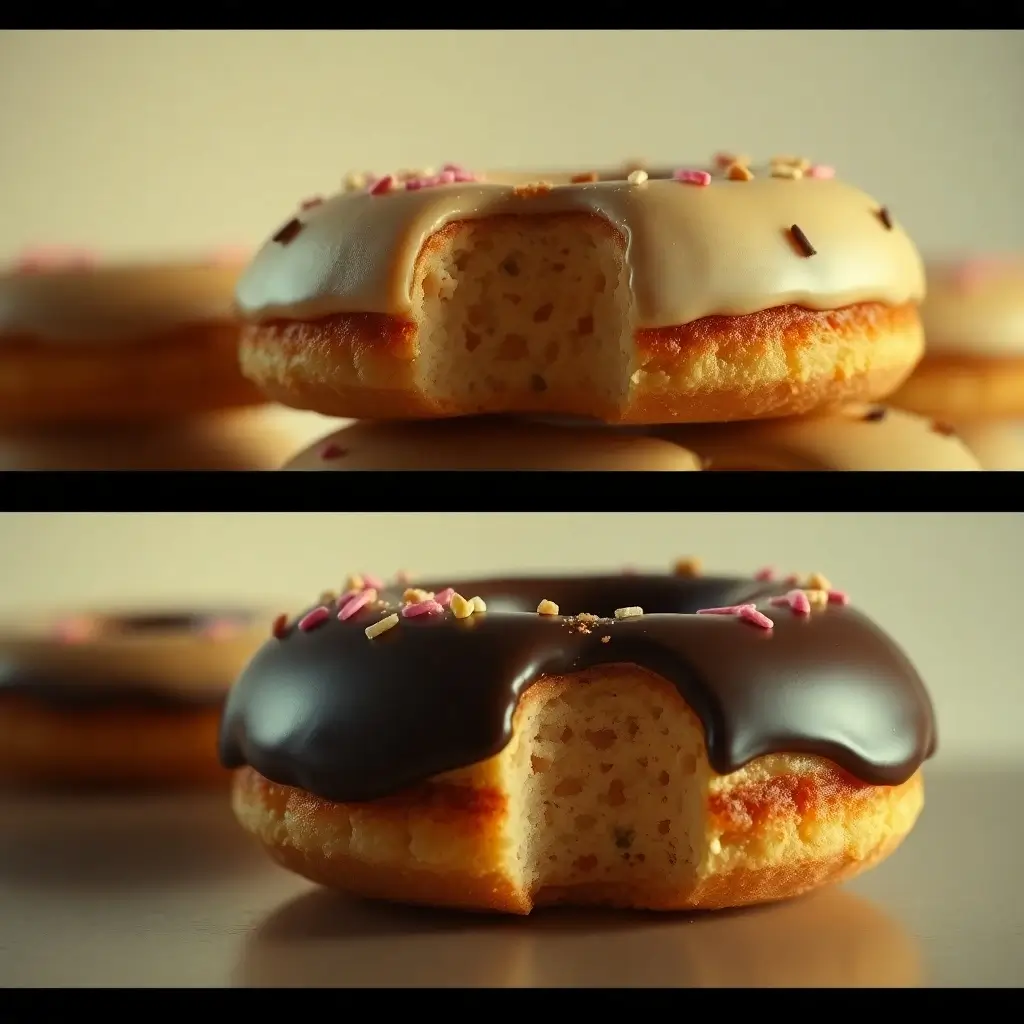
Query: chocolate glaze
pixel 174 622
pixel 352 719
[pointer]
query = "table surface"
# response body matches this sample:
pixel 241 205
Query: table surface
pixel 166 891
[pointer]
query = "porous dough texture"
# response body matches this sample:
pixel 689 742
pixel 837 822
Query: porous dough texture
pixel 603 796
pixel 520 314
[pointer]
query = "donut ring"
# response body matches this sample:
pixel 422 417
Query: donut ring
pixel 492 751
pixel 111 344
pixel 998 445
pixel 858 437
pixel 118 700
pixel 694 295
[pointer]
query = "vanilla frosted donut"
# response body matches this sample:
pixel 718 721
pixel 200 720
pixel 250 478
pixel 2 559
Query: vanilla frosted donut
pixel 973 369
pixel 82 342
pixel 118 698
pixel 730 292
pixel 998 444
pixel 857 438
pixel 490 443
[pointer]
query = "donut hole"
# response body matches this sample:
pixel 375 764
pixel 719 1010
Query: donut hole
pixel 610 783
pixel 524 312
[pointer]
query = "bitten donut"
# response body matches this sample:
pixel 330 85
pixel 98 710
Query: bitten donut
pixel 695 294
pixel 119 700
pixel 663 742
pixel 84 343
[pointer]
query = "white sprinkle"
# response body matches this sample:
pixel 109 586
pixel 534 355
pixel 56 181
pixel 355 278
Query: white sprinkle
pixel 637 177
pixel 479 605
pixel 628 613
pixel 381 627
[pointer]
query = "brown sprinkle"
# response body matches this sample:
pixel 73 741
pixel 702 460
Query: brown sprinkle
pixel 289 231
pixel 534 188
pixel 802 241
pixel 580 179
pixel 547 607
pixel 687 567
pixel 738 172
pixel 280 627
pixel 939 427
pixel 885 217
pixel 876 415
pixel 461 608
pixel 629 613
pixel 388 622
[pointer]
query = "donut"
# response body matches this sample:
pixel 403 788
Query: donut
pixel 857 437
pixel 118 699
pixel 998 444
pixel 631 296
pixel 84 343
pixel 661 742
pixel 241 439
pixel 973 369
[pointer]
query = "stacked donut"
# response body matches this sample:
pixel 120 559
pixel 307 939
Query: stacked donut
pixel 128 366
pixel 973 373
pixel 734 316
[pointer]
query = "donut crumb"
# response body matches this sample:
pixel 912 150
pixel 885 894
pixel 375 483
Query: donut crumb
pixel 637 177
pixel 687 567
pixel 414 595
pixel 605 639
pixel 381 626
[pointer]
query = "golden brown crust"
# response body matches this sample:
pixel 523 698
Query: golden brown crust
pixel 777 362
pixel 190 369
pixel 44 746
pixel 965 389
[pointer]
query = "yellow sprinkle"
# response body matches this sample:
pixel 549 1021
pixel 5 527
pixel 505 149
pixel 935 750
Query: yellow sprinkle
pixel 786 171
pixel 637 177
pixel 687 567
pixel 547 608
pixel 461 608
pixel 389 622
pixel 328 596
pixel 354 182
pixel 479 605
pixel 738 172
pixel 817 598
pixel 354 583
pixel 628 613
pixel 414 595
pixel 818 582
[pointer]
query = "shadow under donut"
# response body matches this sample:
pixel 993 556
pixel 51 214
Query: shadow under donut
pixel 829 939
pixel 95 842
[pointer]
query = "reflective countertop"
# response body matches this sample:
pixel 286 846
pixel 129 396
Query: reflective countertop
pixel 166 891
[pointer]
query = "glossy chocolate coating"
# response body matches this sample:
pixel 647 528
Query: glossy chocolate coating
pixel 352 719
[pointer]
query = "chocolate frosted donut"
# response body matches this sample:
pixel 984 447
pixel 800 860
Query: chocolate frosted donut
pixel 650 741
pixel 692 294
pixel 118 699
pixel 87 343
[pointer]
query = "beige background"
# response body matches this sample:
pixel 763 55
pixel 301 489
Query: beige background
pixel 165 141
pixel 947 585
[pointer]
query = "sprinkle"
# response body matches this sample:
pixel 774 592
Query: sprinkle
pixel 802 241
pixel 348 595
pixel 793 577
pixel 818 598
pixel 885 217
pixel 786 171
pixel 279 630
pixel 875 415
pixel 444 597
pixel 333 451
pixel 816 581
pixel 314 618
pixel 748 613
pixel 796 600
pixel 355 582
pixel 629 613
pixel 354 604
pixel 839 597
pixel 461 607
pixel 414 595
pixel 468 177
pixel 308 204
pixel 288 232
pixel 765 575
pixel 355 182
pixel 328 596
pixel 729 609
pixel 725 160
pixel 687 567
pixel 386 184
pixel 821 171
pixel 479 605
pixel 389 622
pixel 579 179
pixel 637 177
pixel 939 427
pixel 690 177
pixel 547 607
pixel 402 577
pixel 588 617
pixel 739 172
pixel 429 607
pixel 369 580
pixel 605 639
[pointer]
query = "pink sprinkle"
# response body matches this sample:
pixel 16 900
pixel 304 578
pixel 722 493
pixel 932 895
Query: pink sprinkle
pixel 797 601
pixel 446 177
pixel 838 597
pixel 444 598
pixel 372 582
pixel 765 575
pixel 452 167
pixel 821 171
pixel 465 176
pixel 383 185
pixel 431 607
pixel 308 204
pixel 353 604
pixel 748 613
pixel 314 618
pixel 332 451
pixel 732 609
pixel 347 596
pixel 688 177
pixel 55 257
